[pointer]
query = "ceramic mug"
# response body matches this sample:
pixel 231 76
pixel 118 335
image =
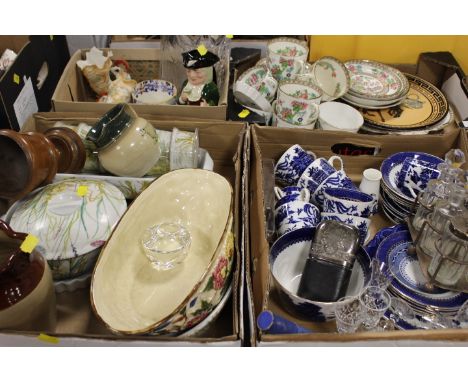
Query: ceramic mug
pixel 361 223
pixel 295 215
pixel 302 196
pixel 414 176
pixel 286 57
pixel 318 171
pixel 292 164
pixel 336 180
pixel 348 202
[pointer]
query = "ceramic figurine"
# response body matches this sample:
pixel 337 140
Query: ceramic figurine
pixel 120 89
pixel 199 88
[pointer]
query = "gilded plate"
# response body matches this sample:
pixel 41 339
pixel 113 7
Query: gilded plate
pixel 375 81
pixel 424 105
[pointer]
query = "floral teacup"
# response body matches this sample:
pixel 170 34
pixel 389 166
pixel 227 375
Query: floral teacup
pixel 318 171
pixel 261 80
pixel 302 196
pixel 295 215
pixel 286 57
pixel 292 164
pixel 336 180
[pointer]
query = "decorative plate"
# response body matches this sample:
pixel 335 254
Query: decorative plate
pixel 375 81
pixel 424 105
pixel 409 279
pixel 353 102
pixel 391 167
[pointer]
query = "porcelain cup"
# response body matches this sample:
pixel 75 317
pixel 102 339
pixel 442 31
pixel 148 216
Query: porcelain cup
pixel 370 183
pixel 279 122
pixel 295 215
pixel 290 190
pixel 348 202
pixel 292 164
pixel 286 57
pixel 302 196
pixel 337 116
pixel 414 176
pixel 338 179
pixel 318 171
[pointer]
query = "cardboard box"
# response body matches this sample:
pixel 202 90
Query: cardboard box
pixel 271 143
pixel 78 326
pixel 73 93
pixel 27 86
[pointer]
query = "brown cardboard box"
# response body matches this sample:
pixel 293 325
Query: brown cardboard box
pixel 271 143
pixel 78 326
pixel 74 94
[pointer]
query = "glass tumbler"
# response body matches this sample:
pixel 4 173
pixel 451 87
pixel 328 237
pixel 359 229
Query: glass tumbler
pixel 166 245
pixel 375 301
pixel 348 315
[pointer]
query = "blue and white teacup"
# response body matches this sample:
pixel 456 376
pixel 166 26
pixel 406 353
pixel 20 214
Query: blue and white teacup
pixel 362 224
pixel 289 190
pixel 338 179
pixel 303 196
pixel 319 170
pixel 415 174
pixel 292 164
pixel 348 202
pixel 295 215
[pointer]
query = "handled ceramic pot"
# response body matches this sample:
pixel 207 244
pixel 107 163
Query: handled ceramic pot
pixel 27 295
pixel 27 161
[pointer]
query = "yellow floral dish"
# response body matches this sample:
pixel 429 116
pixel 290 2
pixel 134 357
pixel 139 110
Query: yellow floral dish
pixel 132 297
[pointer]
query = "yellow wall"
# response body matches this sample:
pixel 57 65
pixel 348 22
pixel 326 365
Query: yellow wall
pixel 389 49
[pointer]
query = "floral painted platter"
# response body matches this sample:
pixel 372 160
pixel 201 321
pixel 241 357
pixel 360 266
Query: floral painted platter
pixel 424 105
pixel 392 166
pixel 132 187
pixel 408 277
pixel 375 81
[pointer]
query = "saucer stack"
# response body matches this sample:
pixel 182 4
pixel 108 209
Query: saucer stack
pixel 410 285
pixel 396 204
pixel 375 85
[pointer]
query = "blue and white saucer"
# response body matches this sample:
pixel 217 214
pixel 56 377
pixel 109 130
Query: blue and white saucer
pixel 409 281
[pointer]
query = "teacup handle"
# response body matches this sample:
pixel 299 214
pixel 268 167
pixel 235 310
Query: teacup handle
pixel 305 195
pixel 312 154
pixel 278 192
pixel 332 159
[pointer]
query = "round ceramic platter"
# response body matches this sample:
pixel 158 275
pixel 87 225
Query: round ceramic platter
pixel 71 217
pixel 375 81
pixel 391 167
pixel 424 105
pixel 409 279
pixel 370 107
pixel 448 119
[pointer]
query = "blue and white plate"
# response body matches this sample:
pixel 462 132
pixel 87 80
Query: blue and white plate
pixel 391 167
pixel 288 256
pixel 409 280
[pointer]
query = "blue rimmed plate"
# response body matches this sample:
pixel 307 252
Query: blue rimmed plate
pixel 391 168
pixel 409 280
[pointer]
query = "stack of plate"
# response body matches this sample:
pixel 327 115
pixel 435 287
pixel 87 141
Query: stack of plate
pixel 424 109
pixel 396 205
pixel 375 85
pixel 410 285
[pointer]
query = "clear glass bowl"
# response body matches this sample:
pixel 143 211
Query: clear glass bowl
pixel 166 244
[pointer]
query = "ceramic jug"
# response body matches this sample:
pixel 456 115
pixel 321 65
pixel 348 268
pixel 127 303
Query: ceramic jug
pixel 27 294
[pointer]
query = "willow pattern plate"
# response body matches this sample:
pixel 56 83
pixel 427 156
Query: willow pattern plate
pixel 375 81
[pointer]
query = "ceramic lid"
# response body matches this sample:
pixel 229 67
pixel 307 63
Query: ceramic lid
pixel 71 217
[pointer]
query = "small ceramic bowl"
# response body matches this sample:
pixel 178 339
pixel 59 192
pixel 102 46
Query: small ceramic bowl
pixel 338 116
pixel 124 282
pixel 288 257
pixel 332 77
pixel 155 92
pixel 72 219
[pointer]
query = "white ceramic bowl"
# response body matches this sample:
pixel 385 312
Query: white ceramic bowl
pixel 72 228
pixel 130 296
pixel 338 116
pixel 155 92
pixel 288 256
pixel 332 77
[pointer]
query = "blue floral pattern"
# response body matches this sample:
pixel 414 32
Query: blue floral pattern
pixel 292 216
pixel 414 176
pixel 292 164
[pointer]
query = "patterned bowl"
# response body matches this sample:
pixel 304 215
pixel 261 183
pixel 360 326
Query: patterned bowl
pixel 72 219
pixel 155 92
pixel 124 283
pixel 288 257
